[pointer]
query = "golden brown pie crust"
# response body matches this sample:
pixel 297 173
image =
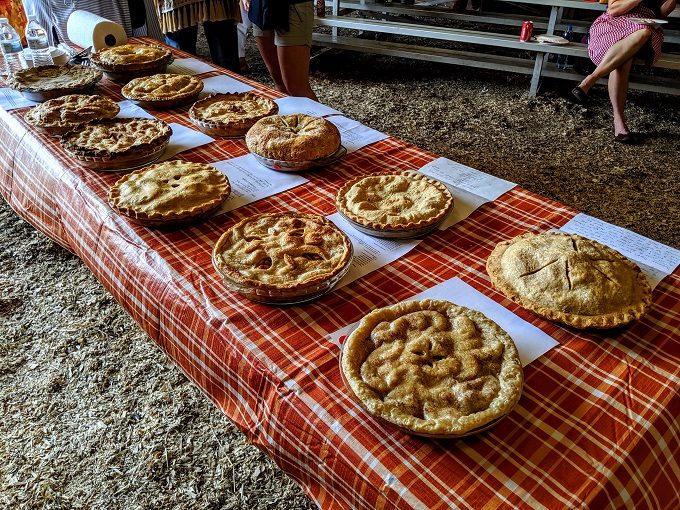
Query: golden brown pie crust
pixel 169 192
pixel 432 368
pixel 295 137
pixel 163 90
pixel 231 114
pixel 64 113
pixel 570 279
pixel 56 79
pixel 282 251
pixel 394 201
pixel 131 57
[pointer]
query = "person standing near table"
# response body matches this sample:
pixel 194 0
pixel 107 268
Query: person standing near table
pixel 179 21
pixel 615 39
pixel 286 47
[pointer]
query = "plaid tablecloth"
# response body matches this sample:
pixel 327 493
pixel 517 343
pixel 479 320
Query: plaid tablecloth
pixel 597 425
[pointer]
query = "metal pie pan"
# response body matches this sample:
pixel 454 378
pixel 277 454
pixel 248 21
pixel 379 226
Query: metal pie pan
pixel 394 234
pixel 298 166
pixel 40 96
pixel 134 162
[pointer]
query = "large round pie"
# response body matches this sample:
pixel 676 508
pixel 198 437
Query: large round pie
pixel 47 82
pixel 282 257
pixel 117 143
pixel 392 202
pixel 170 192
pixel 62 114
pixel 432 368
pixel 163 90
pixel 295 137
pixel 230 114
pixel 131 57
pixel 570 279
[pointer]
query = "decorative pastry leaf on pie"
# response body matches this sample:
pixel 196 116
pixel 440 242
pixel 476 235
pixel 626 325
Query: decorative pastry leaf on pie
pixel 432 367
pixel 570 279
pixel 231 114
pixel 168 192
pixel 67 112
pixel 295 137
pixel 394 201
pixel 63 79
pixel 282 252
pixel 163 88
pixel 130 57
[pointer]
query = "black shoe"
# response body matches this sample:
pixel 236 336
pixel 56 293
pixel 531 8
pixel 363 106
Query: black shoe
pixel 579 95
pixel 627 138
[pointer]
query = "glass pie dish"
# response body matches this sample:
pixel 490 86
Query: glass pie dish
pixel 299 166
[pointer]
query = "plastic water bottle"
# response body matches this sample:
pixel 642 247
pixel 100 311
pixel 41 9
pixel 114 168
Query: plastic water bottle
pixel 12 51
pixel 36 36
pixel 563 60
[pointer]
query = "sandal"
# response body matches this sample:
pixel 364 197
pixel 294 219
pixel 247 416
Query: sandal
pixel 579 95
pixel 627 138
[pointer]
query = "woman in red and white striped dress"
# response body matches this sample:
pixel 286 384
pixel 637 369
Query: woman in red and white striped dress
pixel 615 39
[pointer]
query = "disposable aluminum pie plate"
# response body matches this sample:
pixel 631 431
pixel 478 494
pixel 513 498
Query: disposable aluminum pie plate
pixel 108 164
pixel 298 166
pixel 389 424
pixel 283 296
pixel 394 234
pixel 40 96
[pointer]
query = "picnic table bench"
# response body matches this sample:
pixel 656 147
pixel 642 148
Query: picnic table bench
pixel 407 20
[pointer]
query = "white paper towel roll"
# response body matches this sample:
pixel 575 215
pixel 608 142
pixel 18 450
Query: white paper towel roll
pixel 86 29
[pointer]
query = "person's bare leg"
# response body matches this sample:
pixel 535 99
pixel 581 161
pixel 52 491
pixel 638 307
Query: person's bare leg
pixel 617 55
pixel 294 62
pixel 618 90
pixel 271 60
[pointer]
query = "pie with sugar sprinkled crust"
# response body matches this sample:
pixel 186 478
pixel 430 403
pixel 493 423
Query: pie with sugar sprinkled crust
pixel 131 57
pixel 231 114
pixel 65 113
pixel 163 90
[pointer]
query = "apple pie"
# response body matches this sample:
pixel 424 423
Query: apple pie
pixel 170 193
pixel 163 90
pixel 48 82
pixel 295 137
pixel 117 143
pixel 432 368
pixel 395 204
pixel 131 57
pixel 282 257
pixel 62 114
pixel 570 279
pixel 230 115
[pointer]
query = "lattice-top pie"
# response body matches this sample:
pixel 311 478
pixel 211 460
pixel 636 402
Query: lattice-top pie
pixel 163 89
pixel 130 57
pixel 56 79
pixel 231 114
pixel 394 201
pixel 295 137
pixel 432 368
pixel 169 192
pixel 570 279
pixel 67 112
pixel 286 255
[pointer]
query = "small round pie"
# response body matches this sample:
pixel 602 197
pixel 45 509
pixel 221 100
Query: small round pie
pixel 169 193
pixel 394 204
pixel 295 137
pixel 163 90
pixel 47 82
pixel 230 114
pixel 282 257
pixel 432 368
pixel 117 143
pixel 62 114
pixel 570 279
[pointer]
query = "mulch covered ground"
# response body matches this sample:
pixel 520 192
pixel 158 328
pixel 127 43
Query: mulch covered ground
pixel 94 416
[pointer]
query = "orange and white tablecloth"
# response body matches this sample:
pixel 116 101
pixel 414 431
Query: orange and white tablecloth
pixel 597 426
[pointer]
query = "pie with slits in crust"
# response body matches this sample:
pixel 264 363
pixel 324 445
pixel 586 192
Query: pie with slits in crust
pixel 282 257
pixel 57 116
pixel 169 193
pixel 131 57
pixel 163 90
pixel 432 368
pixel 570 279
pixel 48 82
pixel 395 201
pixel 295 137
pixel 230 114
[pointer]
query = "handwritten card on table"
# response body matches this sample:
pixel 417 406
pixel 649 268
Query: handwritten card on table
pixel 370 253
pixel 250 181
pixel 354 134
pixel 470 188
pixel 189 66
pixel 531 342
pixel 183 139
pixel 11 99
pixel 223 84
pixel 289 105
pixel 129 110
pixel 656 260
